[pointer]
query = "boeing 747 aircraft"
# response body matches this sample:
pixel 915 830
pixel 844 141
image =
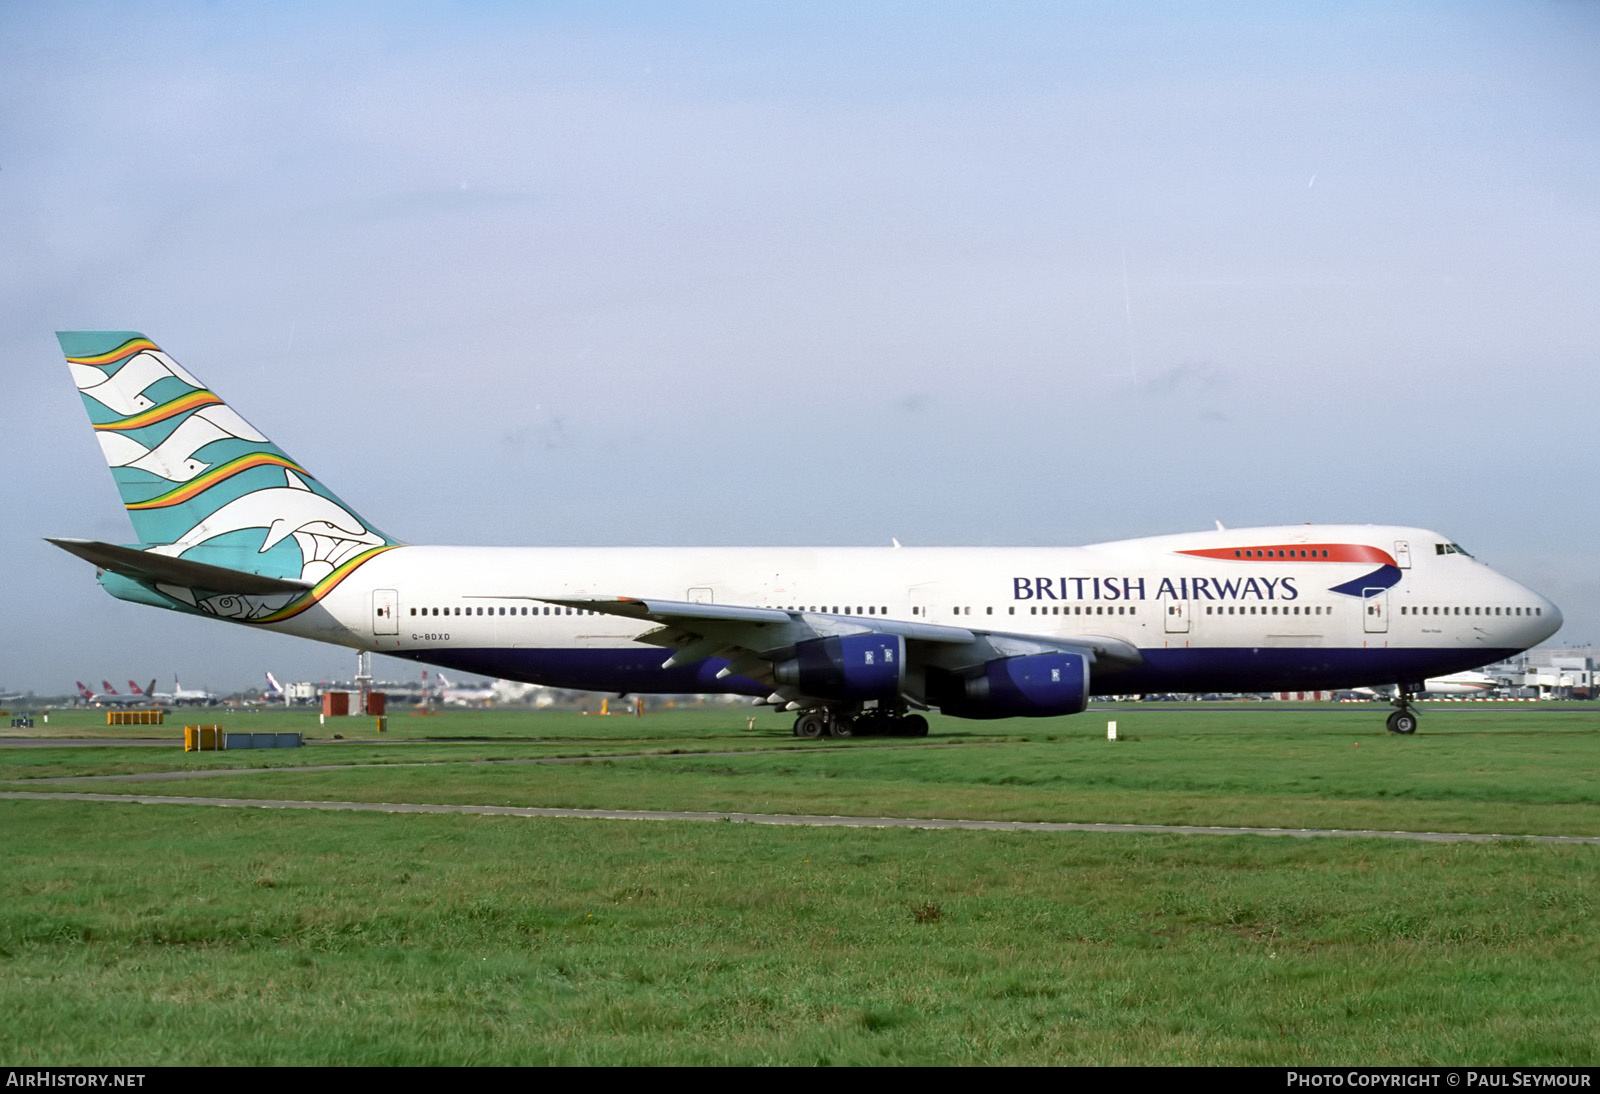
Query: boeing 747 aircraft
pixel 136 696
pixel 853 640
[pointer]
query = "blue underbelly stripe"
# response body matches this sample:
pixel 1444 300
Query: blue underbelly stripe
pixel 1231 669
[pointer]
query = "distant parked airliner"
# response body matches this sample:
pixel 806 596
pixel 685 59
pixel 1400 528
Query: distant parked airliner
pixel 854 640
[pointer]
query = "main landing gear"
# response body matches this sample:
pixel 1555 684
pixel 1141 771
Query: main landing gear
pixel 872 723
pixel 1404 719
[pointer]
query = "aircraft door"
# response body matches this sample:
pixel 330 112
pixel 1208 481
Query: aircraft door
pixel 1176 614
pixel 1402 554
pixel 1375 609
pixel 385 611
pixel 701 594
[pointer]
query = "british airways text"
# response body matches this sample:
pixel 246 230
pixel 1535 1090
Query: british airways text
pixel 1135 588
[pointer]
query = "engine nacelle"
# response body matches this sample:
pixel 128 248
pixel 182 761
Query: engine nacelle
pixel 1040 685
pixel 856 666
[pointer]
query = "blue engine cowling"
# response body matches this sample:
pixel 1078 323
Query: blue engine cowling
pixel 856 666
pixel 1040 685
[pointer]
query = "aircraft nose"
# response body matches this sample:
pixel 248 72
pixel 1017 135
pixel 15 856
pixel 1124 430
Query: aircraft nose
pixel 1547 617
pixel 1552 616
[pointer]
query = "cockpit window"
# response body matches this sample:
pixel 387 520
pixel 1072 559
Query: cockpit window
pixel 1449 549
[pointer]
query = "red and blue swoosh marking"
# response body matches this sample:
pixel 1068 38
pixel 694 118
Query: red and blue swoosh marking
pixel 1386 576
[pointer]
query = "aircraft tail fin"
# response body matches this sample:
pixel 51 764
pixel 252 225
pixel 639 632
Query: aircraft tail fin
pixel 273 687
pixel 198 480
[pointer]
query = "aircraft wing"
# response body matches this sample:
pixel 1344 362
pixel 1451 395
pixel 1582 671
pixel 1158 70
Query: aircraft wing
pixel 754 639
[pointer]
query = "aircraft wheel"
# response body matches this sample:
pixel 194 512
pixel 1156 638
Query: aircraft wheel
pixel 810 725
pixel 1403 722
pixel 914 725
pixel 841 725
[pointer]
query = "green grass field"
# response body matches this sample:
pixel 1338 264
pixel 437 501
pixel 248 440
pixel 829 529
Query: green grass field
pixel 177 934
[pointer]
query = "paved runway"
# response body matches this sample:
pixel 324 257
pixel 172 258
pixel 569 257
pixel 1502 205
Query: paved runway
pixel 90 742
pixel 586 758
pixel 794 819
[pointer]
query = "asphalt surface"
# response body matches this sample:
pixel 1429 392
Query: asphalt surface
pixel 90 742
pixel 789 819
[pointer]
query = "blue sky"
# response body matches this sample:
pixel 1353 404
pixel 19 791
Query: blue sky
pixel 680 274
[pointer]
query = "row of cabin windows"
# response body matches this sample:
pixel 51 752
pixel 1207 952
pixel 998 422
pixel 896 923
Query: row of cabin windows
pixel 1035 609
pixel 1080 609
pixel 870 610
pixel 1280 553
pixel 501 611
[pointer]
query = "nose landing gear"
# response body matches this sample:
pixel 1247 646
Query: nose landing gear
pixel 1404 719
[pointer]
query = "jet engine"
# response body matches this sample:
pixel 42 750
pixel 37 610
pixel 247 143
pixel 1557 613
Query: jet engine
pixel 1040 685
pixel 855 666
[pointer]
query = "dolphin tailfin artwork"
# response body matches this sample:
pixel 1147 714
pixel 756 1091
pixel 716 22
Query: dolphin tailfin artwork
pixel 226 522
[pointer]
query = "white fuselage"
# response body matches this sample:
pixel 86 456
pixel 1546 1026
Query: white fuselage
pixel 1231 609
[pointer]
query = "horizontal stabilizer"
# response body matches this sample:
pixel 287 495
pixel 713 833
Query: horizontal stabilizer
pixel 145 566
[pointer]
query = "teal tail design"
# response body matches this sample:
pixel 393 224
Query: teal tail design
pixel 199 481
